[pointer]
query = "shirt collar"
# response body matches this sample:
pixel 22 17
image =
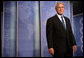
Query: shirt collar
pixel 59 15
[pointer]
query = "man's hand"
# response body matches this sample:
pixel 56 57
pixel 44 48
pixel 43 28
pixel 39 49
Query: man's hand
pixel 51 51
pixel 74 48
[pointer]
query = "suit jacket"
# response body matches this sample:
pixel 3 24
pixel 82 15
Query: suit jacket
pixel 57 37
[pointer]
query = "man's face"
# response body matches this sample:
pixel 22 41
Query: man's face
pixel 60 8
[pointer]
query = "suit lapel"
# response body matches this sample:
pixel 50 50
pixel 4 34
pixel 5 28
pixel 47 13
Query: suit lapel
pixel 66 22
pixel 59 23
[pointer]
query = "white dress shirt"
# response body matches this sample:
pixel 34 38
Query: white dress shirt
pixel 59 16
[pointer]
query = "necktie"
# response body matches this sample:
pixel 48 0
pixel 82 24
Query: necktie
pixel 63 22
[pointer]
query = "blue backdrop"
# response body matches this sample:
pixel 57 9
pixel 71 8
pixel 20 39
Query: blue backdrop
pixel 28 29
pixel 9 28
pixel 78 32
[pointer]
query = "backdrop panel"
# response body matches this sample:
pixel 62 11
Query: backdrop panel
pixel 9 28
pixel 78 32
pixel 28 29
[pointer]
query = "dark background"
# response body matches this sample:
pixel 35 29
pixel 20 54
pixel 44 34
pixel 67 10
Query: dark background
pixel 77 7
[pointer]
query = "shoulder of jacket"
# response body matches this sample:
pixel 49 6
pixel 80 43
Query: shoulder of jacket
pixel 51 18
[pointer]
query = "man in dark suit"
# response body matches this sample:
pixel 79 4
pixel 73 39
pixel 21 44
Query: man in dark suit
pixel 60 38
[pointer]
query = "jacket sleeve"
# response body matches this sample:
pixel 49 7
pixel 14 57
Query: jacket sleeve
pixel 49 33
pixel 71 36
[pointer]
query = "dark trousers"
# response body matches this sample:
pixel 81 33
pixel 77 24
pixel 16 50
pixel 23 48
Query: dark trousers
pixel 66 54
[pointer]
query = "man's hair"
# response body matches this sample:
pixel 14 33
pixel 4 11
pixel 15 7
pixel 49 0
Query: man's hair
pixel 58 3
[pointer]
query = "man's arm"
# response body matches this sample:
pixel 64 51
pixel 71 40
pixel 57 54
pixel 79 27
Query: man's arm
pixel 49 35
pixel 72 38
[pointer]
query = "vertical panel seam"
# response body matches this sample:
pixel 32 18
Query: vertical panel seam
pixel 3 33
pixel 17 33
pixel 40 25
